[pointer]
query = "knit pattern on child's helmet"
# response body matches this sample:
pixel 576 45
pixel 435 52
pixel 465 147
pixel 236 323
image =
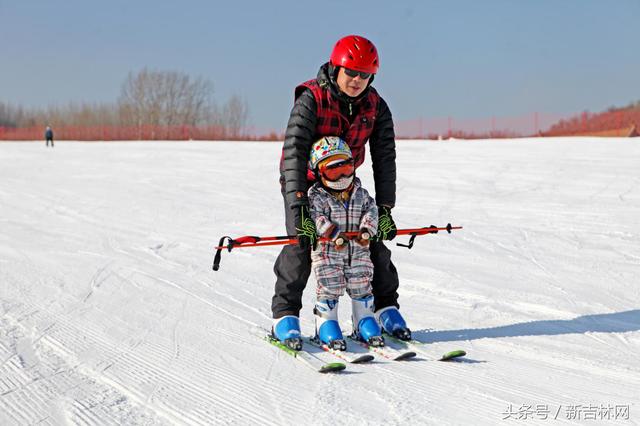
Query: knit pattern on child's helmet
pixel 325 147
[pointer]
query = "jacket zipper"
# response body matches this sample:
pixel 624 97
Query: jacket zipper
pixel 346 206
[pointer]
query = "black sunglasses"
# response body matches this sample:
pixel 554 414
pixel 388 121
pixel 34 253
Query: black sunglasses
pixel 353 73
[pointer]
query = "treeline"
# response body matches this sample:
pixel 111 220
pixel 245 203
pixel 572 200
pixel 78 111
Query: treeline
pixel 631 106
pixel 161 100
pixel 615 120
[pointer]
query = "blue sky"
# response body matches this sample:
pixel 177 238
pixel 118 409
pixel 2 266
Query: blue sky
pixel 464 59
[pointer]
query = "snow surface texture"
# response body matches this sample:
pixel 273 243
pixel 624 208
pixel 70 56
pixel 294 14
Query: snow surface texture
pixel 110 313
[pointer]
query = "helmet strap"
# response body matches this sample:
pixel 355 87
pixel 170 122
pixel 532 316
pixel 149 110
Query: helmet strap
pixel 333 72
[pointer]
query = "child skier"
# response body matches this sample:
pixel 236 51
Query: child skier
pixel 339 204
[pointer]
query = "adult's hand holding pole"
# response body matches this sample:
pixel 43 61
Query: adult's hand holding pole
pixel 386 226
pixel 306 229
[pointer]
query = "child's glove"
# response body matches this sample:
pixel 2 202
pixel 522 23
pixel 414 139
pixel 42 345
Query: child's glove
pixel 363 238
pixel 341 241
pixel 337 238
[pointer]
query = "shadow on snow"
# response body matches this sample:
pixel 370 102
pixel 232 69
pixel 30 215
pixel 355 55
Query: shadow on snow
pixel 617 322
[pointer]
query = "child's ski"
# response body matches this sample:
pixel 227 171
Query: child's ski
pixel 307 358
pixel 419 347
pixel 350 357
pixel 385 351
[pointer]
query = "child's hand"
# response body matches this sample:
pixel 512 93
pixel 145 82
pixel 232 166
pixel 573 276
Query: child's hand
pixel 363 237
pixel 337 238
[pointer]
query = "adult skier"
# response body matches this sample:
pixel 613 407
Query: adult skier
pixel 339 101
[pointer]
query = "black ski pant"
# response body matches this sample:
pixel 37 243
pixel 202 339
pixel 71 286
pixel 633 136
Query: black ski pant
pixel 50 140
pixel 293 267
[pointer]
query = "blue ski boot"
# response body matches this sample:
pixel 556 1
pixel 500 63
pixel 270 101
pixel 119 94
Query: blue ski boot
pixel 393 323
pixel 287 331
pixel 365 326
pixel 327 326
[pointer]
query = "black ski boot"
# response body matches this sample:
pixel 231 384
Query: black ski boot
pixel 402 334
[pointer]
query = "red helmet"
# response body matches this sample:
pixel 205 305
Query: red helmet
pixel 356 53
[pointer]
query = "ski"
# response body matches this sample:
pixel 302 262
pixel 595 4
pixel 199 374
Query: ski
pixel 350 357
pixel 307 358
pixel 385 351
pixel 418 346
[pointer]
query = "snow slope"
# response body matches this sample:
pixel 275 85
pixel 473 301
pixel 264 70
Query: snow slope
pixel 110 313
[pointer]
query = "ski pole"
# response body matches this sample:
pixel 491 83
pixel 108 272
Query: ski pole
pixel 249 241
pixel 423 231
pixel 253 241
pixel 256 241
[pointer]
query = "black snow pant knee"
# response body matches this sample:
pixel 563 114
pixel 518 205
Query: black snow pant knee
pixel 293 267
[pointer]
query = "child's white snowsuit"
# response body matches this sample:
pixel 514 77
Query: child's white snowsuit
pixel 350 268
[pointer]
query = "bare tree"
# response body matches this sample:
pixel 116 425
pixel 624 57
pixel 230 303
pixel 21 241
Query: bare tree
pixel 235 115
pixel 8 115
pixel 152 103
pixel 14 116
pixel 164 98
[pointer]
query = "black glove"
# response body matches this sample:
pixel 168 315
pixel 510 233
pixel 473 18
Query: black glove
pixel 386 226
pixel 306 229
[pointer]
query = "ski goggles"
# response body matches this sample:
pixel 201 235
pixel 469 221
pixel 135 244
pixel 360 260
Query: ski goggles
pixel 353 73
pixel 336 170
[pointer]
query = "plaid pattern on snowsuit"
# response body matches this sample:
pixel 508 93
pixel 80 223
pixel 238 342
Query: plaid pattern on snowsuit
pixel 351 268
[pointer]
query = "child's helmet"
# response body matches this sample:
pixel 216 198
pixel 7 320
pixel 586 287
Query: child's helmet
pixel 325 147
pixel 332 162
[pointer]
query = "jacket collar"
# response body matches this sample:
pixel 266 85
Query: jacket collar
pixel 356 184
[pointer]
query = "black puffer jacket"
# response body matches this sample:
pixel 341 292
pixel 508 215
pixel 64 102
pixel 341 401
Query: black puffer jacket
pixel 301 134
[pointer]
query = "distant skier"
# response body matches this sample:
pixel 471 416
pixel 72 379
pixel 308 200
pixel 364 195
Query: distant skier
pixel 339 101
pixel 48 135
pixel 339 204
